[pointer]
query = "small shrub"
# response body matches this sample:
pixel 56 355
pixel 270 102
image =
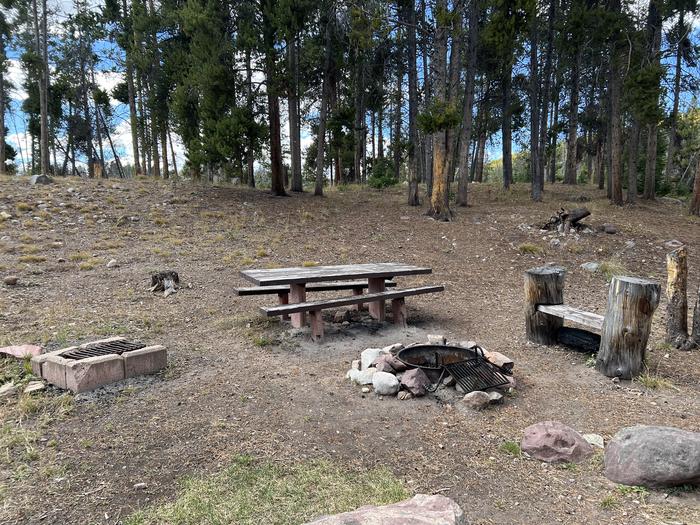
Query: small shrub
pixel 512 448
pixel 87 265
pixel 79 256
pixel 611 268
pixel 528 248
pixel 23 206
pixel 653 381
pixel 309 264
pixel 609 502
pixel 32 259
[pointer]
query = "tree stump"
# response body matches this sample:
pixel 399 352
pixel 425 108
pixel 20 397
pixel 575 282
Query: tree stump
pixel 677 293
pixel 543 285
pixel 626 327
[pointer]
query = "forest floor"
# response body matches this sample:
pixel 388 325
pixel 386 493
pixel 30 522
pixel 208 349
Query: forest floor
pixel 239 386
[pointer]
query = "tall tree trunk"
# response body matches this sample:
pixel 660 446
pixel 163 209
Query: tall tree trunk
pixel 552 175
pixel 172 153
pixel 3 154
pixel 439 199
pixel 673 118
pixel 654 35
pixel 570 170
pixel 145 167
pixel 396 141
pixel 537 184
pixel 506 127
pixel 480 153
pixel 164 144
pixel 133 119
pixel 615 89
pixel 250 154
pixel 409 11
pixel 40 40
pixel 426 149
pixel 546 90
pixel 294 116
pixel 695 201
pixel 359 124
pixel 465 136
pixel 633 156
pixel 323 116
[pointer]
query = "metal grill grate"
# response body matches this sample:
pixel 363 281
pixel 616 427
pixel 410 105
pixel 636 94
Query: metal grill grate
pixel 476 374
pixel 99 349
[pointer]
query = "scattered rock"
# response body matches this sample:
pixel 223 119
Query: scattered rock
pixel 382 364
pixel 629 245
pixel 60 260
pixel 393 348
pixel 420 509
pixel 355 364
pixel 385 384
pixel 555 243
pixel 434 339
pixel 595 440
pixel 40 179
pixel 369 355
pixel 7 390
pixel 405 395
pixel 112 263
pixel 416 382
pixel 468 344
pixel 591 266
pixel 365 390
pixel 554 442
pixel 34 386
pixel 495 398
pixel 477 400
pixel 608 228
pixel 11 280
pixel 5 216
pixel 503 362
pixel 673 244
pixel 341 316
pixel 391 360
pixel 361 377
pixel 449 380
pixel 140 486
pixel 653 456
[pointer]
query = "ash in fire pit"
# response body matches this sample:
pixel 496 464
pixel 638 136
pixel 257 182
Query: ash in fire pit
pixel 422 368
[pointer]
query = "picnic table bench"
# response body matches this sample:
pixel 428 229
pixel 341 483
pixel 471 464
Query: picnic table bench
pixel 291 285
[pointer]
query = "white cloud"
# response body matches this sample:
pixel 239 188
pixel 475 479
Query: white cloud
pixel 16 76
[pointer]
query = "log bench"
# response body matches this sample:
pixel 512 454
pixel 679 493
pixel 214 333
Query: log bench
pixel 315 308
pixel 624 329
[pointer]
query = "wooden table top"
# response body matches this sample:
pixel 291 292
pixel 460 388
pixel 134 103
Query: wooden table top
pixel 311 274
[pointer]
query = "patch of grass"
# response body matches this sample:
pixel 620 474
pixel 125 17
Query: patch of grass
pixel 633 490
pixel 79 256
pixel 569 466
pixel 87 265
pixel 261 252
pixel 23 206
pixel 250 493
pixel 309 264
pixel 609 502
pixel 28 248
pixel 263 341
pixel 590 362
pixel 31 258
pixel 653 381
pixel 511 447
pixel 247 261
pixel 528 248
pixel 611 268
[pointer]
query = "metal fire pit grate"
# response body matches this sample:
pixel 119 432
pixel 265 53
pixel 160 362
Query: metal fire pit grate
pixel 468 366
pixel 99 349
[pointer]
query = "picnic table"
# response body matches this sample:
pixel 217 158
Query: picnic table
pixel 302 279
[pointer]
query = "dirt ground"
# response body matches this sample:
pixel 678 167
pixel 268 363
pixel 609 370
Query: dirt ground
pixel 237 384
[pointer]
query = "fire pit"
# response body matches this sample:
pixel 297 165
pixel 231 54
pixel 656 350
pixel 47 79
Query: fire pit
pixel 468 366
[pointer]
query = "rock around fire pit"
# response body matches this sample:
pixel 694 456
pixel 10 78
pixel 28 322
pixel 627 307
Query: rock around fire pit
pixel 91 365
pixel 435 367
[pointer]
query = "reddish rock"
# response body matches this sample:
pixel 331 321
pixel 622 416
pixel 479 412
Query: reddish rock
pixel 421 509
pixel 554 442
pixel 21 351
pixel 416 382
pixel 391 361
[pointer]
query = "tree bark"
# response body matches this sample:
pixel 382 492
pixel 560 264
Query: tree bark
pixel 546 90
pixel 325 95
pixel 294 116
pixel 552 176
pixel 133 119
pixel 654 21
pixel 695 200
pixel 3 154
pixel 570 170
pixel 410 10
pixel 40 40
pixel 615 89
pixel 536 184
pixel 677 294
pixel 633 156
pixel 673 134
pixel 626 327
pixel 465 137
pixel 506 128
pixel 543 285
pixel 480 153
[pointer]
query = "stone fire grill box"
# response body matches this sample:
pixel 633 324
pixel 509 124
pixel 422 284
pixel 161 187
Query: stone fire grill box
pixel 90 365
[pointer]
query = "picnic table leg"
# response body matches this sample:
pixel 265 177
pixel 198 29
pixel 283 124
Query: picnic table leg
pixel 283 298
pixel 297 294
pixel 377 308
pixel 316 325
pixel 358 306
pixel 398 309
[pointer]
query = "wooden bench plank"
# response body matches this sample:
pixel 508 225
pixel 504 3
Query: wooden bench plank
pixel 575 315
pixel 311 287
pixel 310 306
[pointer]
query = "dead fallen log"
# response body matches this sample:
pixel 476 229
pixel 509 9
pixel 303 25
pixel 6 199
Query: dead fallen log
pixel 564 220
pixel 167 282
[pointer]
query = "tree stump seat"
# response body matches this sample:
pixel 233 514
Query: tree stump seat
pixel 624 328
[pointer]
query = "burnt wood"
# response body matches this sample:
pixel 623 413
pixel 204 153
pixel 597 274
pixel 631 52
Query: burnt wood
pixel 311 306
pixel 311 287
pixel 276 276
pixel 580 340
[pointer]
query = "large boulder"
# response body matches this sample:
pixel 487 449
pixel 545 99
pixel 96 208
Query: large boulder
pixel 421 509
pixel 653 457
pixel 40 179
pixel 416 382
pixel 370 355
pixel 554 442
pixel 385 384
